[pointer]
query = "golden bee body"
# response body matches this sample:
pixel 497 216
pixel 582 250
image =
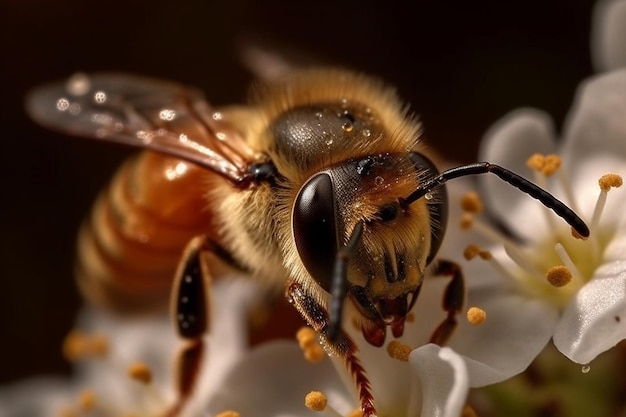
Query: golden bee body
pixel 131 244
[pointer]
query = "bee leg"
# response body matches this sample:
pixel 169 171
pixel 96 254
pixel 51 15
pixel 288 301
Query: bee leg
pixel 318 318
pixel 190 308
pixel 453 299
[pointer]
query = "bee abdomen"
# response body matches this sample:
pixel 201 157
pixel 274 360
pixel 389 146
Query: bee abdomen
pixel 130 246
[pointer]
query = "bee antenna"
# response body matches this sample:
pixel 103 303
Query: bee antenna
pixel 339 284
pixel 504 174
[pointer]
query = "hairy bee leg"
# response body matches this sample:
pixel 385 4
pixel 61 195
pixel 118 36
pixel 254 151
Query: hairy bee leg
pixel 318 318
pixel 453 299
pixel 190 310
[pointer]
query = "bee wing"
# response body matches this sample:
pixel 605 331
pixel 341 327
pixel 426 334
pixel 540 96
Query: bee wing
pixel 148 113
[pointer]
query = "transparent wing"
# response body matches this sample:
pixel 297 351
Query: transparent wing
pixel 148 113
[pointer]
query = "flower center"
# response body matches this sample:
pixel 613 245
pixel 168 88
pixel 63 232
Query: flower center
pixel 555 266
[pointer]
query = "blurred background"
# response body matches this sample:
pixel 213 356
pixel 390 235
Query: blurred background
pixel 460 64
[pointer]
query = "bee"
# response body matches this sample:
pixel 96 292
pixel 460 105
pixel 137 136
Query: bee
pixel 319 186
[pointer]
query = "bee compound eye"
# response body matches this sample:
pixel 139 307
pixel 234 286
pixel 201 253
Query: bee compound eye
pixel 315 228
pixel 437 207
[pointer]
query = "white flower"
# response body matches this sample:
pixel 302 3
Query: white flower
pixel 106 347
pixel 587 314
pixel 608 35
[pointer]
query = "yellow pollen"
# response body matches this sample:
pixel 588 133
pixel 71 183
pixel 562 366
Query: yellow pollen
pixel 468 411
pixel 357 412
pixel 98 345
pixel 476 316
pixel 140 372
pixel 87 400
pixel 467 221
pixel 314 354
pixel 609 181
pixel 228 413
pixel 559 276
pixel 551 165
pixel 471 203
pixel 75 345
pixel 315 401
pixel 536 162
pixel 306 337
pixel 472 251
pixel 399 351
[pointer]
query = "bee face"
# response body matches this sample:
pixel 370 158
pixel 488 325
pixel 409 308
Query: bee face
pixel 388 266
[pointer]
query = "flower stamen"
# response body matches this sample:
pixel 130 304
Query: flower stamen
pixel 399 351
pixel 317 401
pixel 568 262
pixel 606 182
pixel 476 316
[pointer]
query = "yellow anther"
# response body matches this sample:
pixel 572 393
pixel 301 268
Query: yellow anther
pixel 559 276
pixel 315 401
pixel 536 162
pixel 609 181
pixel 75 345
pixel 471 203
pixel 140 372
pixel 476 316
pixel 306 337
pixel 399 351
pixel 551 164
pixel 87 400
pixel 98 345
pixel 228 413
pixel 467 221
pixel 314 354
pixel 468 411
pixel 471 251
pixel 357 412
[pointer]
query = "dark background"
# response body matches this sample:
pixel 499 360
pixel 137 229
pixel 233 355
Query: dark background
pixel 462 65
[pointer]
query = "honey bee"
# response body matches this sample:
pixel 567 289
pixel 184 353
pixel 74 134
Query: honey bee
pixel 319 186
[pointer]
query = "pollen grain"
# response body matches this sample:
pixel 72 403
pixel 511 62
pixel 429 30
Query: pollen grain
pixel 140 372
pixel 471 203
pixel 536 162
pixel 315 401
pixel 476 316
pixel 559 276
pixel 399 351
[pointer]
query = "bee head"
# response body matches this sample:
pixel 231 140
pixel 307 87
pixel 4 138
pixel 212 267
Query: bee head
pixel 396 243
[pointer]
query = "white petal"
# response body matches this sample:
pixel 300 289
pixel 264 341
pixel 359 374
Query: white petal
pixel 517 328
pixel 273 381
pixel 510 142
pixel 596 126
pixel 41 397
pixel 595 320
pixel 444 380
pixel 609 35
